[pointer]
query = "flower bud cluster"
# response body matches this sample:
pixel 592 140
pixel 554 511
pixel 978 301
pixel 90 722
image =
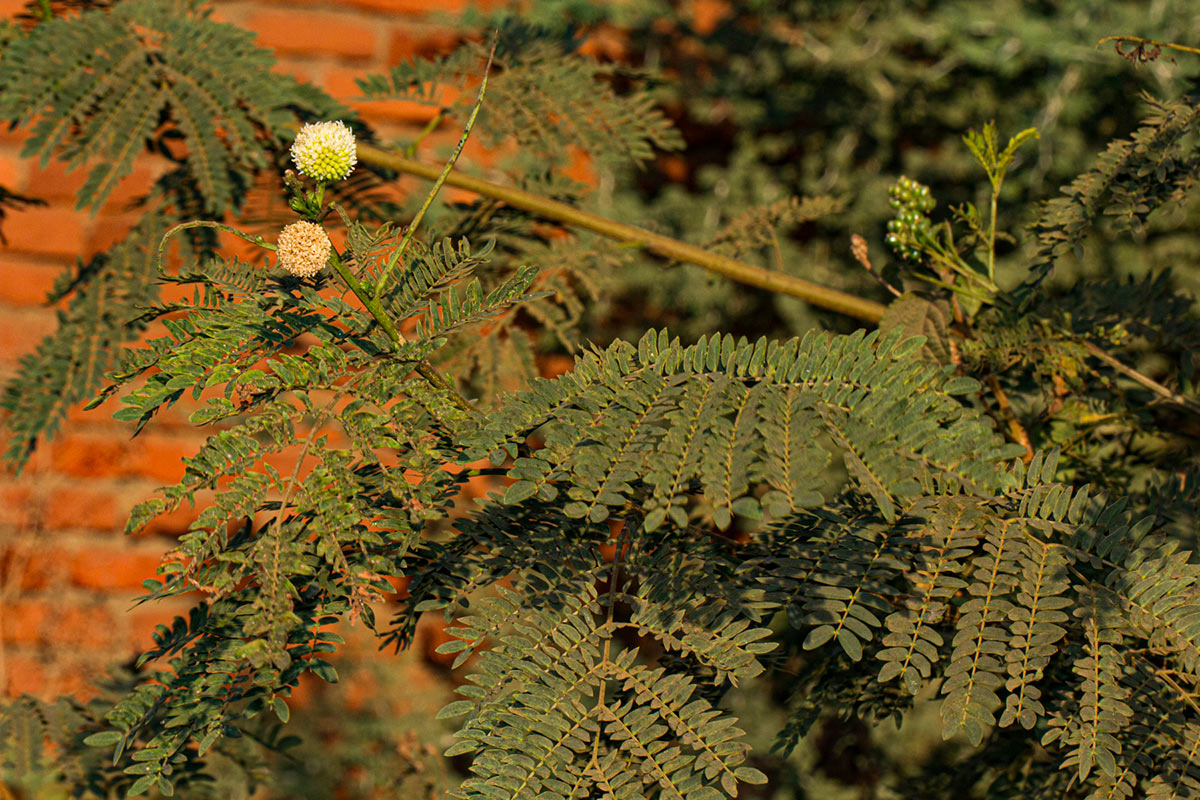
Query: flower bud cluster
pixel 303 248
pixel 912 202
pixel 325 151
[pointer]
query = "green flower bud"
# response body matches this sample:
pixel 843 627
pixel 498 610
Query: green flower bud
pixel 325 151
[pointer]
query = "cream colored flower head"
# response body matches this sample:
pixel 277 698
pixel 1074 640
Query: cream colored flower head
pixel 325 151
pixel 304 248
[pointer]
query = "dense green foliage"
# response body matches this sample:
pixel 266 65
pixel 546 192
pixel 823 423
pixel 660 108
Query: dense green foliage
pixel 986 506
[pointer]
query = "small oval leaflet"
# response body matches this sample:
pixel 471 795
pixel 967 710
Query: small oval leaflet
pixel 960 385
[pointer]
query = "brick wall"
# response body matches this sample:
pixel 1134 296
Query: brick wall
pixel 67 573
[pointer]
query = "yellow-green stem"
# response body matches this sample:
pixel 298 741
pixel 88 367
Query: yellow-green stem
pixel 398 253
pixel 821 296
pixel 991 253
pixel 429 128
pixel 376 310
pixel 207 223
pixel 1183 48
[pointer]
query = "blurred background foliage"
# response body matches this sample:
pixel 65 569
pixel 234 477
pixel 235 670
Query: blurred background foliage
pixel 783 99
pixel 836 100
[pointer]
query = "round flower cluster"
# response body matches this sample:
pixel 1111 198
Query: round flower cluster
pixel 911 201
pixel 325 151
pixel 304 248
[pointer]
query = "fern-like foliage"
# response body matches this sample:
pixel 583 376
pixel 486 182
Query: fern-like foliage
pixel 762 226
pixel 97 88
pixel 574 270
pixel 1156 166
pixel 544 97
pixel 105 297
pixel 661 419
pixel 590 715
pixel 988 603
pixel 35 734
pixel 966 579
pixel 100 85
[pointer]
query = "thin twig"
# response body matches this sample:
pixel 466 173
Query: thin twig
pixel 294 478
pixel 858 249
pixel 429 128
pixel 398 253
pixel 777 249
pixel 1144 380
pixel 815 294
pixel 1015 428
pixel 376 310
pixel 1152 42
pixel 207 223
pixel 614 579
pixel 1187 698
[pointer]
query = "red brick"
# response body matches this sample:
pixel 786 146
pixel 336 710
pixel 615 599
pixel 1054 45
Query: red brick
pixel 22 331
pixel 441 143
pixel 16 505
pixel 87 627
pixel 14 136
pixel 23 674
pixel 136 184
pixel 108 230
pixel 52 230
pixel 361 688
pixel 25 282
pixel 416 7
pixel 310 33
pixel 90 627
pixel 424 7
pixel 144 618
pixel 400 586
pixel 112 569
pixel 285 462
pixel 74 678
pixel 411 42
pixel 172 525
pixel 24 621
pixel 101 413
pixel 72 507
pixel 160 457
pixel 298 68
pixel 340 84
pixel 52 182
pixel 11 169
pixel 88 455
pixel 551 366
pixel 452 194
pixel 431 634
pixel 31 569
pixel 178 292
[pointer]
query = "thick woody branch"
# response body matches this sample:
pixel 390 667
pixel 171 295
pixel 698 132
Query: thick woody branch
pixel 815 294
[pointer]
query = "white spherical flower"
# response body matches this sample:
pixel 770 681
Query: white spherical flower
pixel 325 151
pixel 304 248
